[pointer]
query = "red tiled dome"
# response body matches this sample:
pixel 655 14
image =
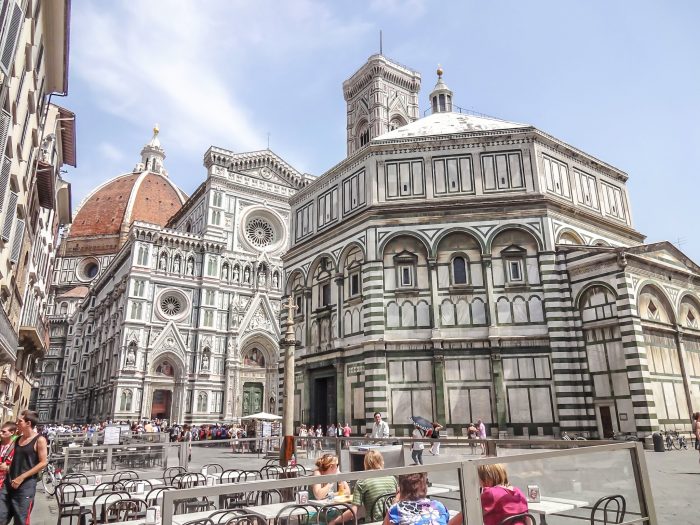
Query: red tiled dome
pixel 104 218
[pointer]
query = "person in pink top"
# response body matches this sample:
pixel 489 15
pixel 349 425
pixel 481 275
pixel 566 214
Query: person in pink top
pixel 499 499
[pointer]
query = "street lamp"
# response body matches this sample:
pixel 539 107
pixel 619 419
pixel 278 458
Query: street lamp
pixel 288 342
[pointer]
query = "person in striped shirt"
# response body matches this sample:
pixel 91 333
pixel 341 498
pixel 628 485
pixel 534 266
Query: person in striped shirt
pixel 368 491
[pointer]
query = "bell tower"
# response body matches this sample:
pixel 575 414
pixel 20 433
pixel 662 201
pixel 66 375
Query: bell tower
pixel 381 96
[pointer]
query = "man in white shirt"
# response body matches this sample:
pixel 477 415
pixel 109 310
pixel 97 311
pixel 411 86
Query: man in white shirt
pixel 380 429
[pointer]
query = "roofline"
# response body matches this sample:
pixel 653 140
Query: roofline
pixel 187 205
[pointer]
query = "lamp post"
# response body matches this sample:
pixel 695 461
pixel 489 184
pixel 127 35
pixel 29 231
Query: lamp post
pixel 288 342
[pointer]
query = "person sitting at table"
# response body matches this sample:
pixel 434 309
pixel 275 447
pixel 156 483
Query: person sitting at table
pixel 413 506
pixel 499 499
pixel 328 464
pixel 368 491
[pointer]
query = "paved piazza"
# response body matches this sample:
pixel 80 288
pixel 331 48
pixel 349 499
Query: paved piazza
pixel 674 477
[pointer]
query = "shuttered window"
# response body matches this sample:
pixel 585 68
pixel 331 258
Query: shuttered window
pixel 17 241
pixel 9 42
pixel 9 216
pixel 5 119
pixel 4 179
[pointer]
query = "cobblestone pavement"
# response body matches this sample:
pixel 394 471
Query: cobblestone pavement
pixel 674 476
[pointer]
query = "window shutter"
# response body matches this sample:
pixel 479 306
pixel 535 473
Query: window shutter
pixel 5 119
pixel 9 43
pixel 4 179
pixel 17 241
pixel 9 216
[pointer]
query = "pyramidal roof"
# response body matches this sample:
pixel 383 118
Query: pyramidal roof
pixel 448 123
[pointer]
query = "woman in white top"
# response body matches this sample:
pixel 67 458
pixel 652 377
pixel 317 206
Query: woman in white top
pixel 417 447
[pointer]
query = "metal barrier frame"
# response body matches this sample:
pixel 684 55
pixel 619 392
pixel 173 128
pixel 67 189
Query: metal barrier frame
pixel 466 471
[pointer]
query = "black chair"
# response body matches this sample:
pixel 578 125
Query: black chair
pixel 333 510
pixel 382 504
pixel 189 480
pixel 108 486
pixel 170 472
pixel 299 469
pixel 611 508
pixel 230 476
pixel 155 495
pixel 247 519
pixel 126 509
pixel 66 495
pixel 76 477
pixel 265 497
pixel 249 475
pixel 271 472
pixel 202 521
pixel 125 475
pixel 101 501
pixel 213 468
pixel 222 517
pixel 301 514
pixel 519 519
pixel 130 485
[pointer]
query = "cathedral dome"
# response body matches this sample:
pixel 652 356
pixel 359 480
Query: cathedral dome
pixel 104 217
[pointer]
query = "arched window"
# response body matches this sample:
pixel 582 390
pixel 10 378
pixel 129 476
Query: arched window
pixel 64 308
pixel 202 402
pixel 459 270
pixel 125 403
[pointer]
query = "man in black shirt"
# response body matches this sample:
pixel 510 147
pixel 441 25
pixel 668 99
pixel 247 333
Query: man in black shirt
pixel 30 457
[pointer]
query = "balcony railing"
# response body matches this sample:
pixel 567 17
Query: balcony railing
pixel 33 332
pixel 8 339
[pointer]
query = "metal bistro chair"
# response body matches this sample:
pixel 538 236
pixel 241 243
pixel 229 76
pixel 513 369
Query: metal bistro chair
pixel 611 508
pixel 226 515
pixel 230 476
pixel 108 486
pixel 130 485
pixel 191 479
pixel 297 513
pixel 126 509
pixel 66 495
pixel 170 472
pixel 99 514
pixel 517 519
pixel 333 510
pixel 265 497
pixel 202 521
pixel 382 504
pixel 125 475
pixel 213 468
pixel 249 475
pixel 155 495
pixel 76 477
pixel 247 519
pixel 271 472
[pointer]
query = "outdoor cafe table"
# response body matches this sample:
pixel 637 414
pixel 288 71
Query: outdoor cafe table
pixel 548 505
pixel 86 502
pixel 155 482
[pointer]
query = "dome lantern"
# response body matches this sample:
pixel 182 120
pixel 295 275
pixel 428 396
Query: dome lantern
pixel 441 96
pixel 152 155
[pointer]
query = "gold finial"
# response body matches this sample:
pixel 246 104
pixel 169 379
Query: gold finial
pixel 439 71
pixel 156 129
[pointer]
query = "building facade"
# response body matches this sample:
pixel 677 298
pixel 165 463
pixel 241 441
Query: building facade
pixel 165 306
pixel 461 267
pixel 37 139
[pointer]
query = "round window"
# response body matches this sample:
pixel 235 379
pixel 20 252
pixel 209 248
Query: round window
pixel 259 232
pixel 88 269
pixel 172 305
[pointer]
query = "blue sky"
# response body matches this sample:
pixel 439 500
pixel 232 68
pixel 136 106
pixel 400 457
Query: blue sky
pixel 619 80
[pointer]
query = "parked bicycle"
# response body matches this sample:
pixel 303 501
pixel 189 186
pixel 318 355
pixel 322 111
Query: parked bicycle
pixel 51 478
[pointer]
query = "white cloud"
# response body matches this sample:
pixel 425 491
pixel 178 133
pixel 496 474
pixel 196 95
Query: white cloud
pixel 110 152
pixel 179 63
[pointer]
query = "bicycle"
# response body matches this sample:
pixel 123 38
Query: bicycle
pixel 51 478
pixel 567 437
pixel 673 439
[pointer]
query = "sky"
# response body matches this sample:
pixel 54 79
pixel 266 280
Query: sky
pixel 619 80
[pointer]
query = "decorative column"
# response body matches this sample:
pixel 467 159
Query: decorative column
pixel 288 342
pixel 684 370
pixel 339 281
pixel 499 387
pixel 433 278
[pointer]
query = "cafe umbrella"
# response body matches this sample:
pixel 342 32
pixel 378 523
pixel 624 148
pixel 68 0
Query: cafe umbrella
pixel 421 422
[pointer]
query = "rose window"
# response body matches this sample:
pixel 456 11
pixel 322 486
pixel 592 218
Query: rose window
pixel 170 305
pixel 259 232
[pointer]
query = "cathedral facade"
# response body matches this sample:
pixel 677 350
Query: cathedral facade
pixel 165 306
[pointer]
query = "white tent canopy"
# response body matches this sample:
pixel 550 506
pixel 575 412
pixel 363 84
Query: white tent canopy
pixel 263 416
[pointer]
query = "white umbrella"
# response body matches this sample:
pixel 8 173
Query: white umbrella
pixel 263 416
